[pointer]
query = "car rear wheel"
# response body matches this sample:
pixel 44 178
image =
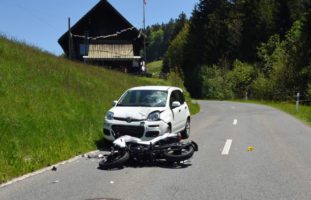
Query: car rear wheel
pixel 186 132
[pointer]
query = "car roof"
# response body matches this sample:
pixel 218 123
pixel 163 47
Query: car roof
pixel 155 88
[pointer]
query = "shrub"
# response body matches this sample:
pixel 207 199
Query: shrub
pixel 261 88
pixel 215 84
pixel 241 77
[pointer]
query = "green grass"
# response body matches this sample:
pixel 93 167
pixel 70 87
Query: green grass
pixel 304 113
pixel 194 108
pixel 155 67
pixel 51 108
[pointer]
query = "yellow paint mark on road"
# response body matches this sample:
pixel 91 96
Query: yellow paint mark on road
pixel 250 148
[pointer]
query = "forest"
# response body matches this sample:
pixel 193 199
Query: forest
pixel 159 36
pixel 233 49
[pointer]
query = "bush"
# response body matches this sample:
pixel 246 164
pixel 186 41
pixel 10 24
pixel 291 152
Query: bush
pixel 214 83
pixel 261 88
pixel 241 77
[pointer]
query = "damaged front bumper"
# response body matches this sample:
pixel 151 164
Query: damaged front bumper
pixel 145 130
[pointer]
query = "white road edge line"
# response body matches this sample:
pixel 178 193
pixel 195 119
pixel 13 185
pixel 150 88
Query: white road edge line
pixel 227 146
pixel 235 122
pixel 44 169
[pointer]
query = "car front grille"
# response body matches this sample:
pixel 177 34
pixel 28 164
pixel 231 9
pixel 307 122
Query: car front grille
pixel 129 120
pixel 135 131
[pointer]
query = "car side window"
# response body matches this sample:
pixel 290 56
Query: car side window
pixel 174 97
pixel 181 97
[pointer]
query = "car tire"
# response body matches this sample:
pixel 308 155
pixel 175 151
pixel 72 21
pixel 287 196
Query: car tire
pixel 186 132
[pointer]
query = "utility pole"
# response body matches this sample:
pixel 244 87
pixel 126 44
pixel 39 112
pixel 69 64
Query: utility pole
pixel 297 102
pixel 86 43
pixel 69 40
pixel 144 30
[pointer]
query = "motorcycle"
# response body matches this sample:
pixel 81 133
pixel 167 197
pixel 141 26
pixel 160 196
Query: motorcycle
pixel 165 147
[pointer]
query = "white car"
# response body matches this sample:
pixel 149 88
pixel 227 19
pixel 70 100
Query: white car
pixel 147 112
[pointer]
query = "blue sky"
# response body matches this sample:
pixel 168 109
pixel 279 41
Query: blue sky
pixel 41 23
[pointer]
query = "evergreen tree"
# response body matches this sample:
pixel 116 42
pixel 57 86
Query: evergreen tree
pixel 274 36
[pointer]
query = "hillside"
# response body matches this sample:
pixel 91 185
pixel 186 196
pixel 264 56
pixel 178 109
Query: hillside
pixel 51 108
pixel 155 67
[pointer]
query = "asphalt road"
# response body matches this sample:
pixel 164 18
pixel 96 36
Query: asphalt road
pixel 245 152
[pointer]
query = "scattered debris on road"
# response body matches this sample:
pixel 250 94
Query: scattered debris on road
pixel 95 155
pixel 54 168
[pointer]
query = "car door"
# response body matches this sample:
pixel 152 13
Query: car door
pixel 183 110
pixel 176 112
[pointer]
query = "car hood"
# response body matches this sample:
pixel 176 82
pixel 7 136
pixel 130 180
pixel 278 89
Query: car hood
pixel 139 113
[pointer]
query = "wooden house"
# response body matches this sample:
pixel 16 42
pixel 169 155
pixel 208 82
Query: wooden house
pixel 104 37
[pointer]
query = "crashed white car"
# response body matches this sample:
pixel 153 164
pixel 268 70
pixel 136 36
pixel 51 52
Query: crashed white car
pixel 147 112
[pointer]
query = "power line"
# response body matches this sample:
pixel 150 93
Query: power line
pixel 105 36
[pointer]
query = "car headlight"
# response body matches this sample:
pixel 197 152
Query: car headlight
pixel 109 115
pixel 154 116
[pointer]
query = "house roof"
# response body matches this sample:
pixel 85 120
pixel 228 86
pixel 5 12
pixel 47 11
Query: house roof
pixel 90 14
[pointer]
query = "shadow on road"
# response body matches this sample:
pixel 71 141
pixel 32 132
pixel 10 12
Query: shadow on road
pixel 148 164
pixel 103 144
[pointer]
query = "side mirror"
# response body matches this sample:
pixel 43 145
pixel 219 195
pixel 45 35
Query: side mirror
pixel 114 103
pixel 175 104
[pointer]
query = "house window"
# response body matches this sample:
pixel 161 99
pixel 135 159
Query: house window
pixel 83 50
pixel 135 63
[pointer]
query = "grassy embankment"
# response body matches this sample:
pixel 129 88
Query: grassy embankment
pixel 52 109
pixel 155 67
pixel 304 113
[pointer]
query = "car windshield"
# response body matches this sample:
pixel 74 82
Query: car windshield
pixel 144 98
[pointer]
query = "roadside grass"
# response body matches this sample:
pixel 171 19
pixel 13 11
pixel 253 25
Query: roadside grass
pixel 52 109
pixel 194 108
pixel 155 67
pixel 304 113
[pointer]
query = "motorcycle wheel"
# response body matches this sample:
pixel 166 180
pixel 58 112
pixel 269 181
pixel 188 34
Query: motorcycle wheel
pixel 114 160
pixel 177 155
